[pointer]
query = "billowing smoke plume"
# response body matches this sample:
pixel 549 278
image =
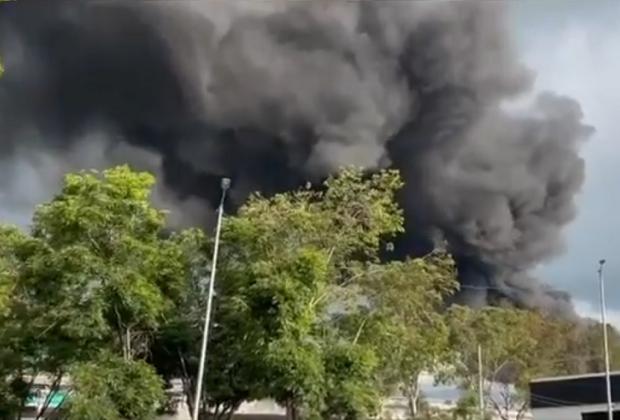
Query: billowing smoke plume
pixel 275 93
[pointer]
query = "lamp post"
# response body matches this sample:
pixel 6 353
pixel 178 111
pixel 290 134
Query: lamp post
pixel 480 383
pixel 225 185
pixel 610 413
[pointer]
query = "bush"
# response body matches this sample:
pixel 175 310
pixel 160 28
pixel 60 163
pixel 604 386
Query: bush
pixel 110 388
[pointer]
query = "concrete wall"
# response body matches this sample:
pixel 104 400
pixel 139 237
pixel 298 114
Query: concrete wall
pixel 566 413
pixel 257 410
pixel 395 409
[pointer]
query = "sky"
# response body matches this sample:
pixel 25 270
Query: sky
pixel 573 45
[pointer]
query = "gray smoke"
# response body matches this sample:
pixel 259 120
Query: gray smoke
pixel 275 93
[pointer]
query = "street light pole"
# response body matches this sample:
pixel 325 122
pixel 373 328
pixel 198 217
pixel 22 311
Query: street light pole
pixel 480 384
pixel 610 413
pixel 225 185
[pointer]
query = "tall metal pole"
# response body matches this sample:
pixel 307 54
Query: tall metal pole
pixel 205 332
pixel 480 383
pixel 610 412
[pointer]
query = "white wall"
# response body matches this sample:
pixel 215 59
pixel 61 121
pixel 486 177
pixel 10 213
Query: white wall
pixel 566 413
pixel 255 408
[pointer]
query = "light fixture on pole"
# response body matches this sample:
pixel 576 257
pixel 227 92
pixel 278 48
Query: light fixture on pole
pixel 225 185
pixel 610 412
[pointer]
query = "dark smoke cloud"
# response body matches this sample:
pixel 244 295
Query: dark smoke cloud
pixel 275 93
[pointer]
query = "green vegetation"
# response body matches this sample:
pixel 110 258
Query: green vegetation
pixel 110 387
pixel 97 272
pixel 308 310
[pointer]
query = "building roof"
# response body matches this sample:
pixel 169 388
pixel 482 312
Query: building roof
pixel 573 390
pixel 570 377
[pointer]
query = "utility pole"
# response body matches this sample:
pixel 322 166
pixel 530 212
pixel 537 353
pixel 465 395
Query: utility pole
pixel 480 383
pixel 610 412
pixel 225 185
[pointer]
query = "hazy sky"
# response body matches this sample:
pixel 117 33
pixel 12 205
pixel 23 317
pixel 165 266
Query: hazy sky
pixel 575 48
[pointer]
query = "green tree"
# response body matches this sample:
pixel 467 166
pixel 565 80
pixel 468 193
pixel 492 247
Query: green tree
pixel 104 257
pixel 306 310
pixel 582 348
pixel 20 351
pixel 402 319
pixel 110 387
pixel 10 240
pixel 350 385
pixel 306 248
pixel 516 345
pixel 288 264
pixel 98 271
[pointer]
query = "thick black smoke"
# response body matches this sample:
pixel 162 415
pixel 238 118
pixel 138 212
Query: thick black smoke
pixel 274 93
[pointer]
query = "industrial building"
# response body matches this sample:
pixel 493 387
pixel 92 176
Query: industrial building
pixel 577 397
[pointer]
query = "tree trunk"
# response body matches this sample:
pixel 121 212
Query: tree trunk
pixel 188 388
pixel 230 413
pixel 233 409
pixel 127 344
pixel 48 398
pixel 522 411
pixel 22 403
pixel 215 414
pixel 413 395
pixel 291 411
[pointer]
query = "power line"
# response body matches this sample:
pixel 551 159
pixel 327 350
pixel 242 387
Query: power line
pixel 554 401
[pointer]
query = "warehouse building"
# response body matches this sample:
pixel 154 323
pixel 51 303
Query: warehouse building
pixel 577 397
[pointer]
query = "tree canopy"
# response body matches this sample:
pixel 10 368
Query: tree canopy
pixel 97 271
pixel 311 308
